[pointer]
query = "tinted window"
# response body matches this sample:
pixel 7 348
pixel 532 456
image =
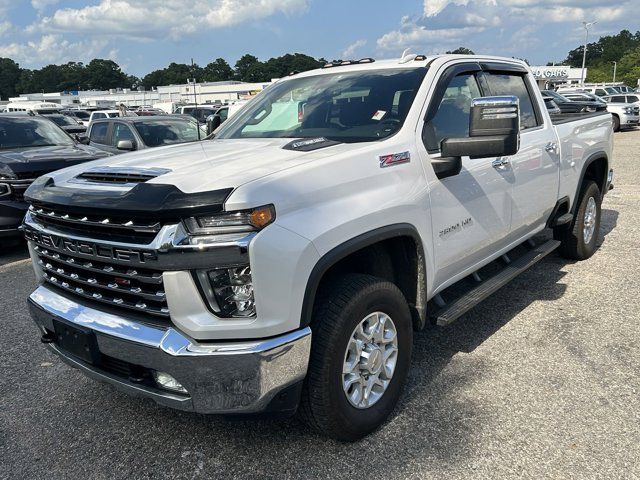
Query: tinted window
pixel 632 99
pixel 342 106
pixel 452 118
pixel 99 133
pixel 121 132
pixel 99 115
pixel 501 84
pixel 224 113
pixel 600 92
pixel 617 99
pixel 167 132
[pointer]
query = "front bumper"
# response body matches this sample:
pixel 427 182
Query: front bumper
pixel 220 377
pixel 629 120
pixel 11 214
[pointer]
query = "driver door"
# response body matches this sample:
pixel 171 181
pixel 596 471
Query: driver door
pixel 471 211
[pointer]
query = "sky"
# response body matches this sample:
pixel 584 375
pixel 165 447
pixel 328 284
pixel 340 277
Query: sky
pixel 144 35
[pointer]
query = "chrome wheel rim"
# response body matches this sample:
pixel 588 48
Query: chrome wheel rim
pixel 370 360
pixel 589 223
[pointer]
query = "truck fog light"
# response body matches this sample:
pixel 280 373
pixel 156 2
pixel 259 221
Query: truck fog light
pixel 229 291
pixel 167 382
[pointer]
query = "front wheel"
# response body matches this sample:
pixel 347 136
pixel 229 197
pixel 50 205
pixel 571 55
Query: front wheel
pixel 360 357
pixel 580 238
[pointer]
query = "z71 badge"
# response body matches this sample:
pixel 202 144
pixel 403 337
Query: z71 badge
pixel 394 159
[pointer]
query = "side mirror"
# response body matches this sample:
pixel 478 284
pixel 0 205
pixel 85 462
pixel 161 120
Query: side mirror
pixel 213 122
pixel 126 145
pixel 82 138
pixel 494 130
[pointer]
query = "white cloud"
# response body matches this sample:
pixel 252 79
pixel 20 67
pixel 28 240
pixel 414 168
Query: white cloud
pixel 42 4
pixel 353 48
pixel 159 18
pixel 53 48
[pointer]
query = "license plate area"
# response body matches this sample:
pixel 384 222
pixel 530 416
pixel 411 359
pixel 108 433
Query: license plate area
pixel 79 342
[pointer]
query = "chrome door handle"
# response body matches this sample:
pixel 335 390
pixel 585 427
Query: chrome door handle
pixel 501 162
pixel 551 147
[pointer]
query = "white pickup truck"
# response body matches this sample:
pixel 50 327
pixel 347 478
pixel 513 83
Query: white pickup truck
pixel 287 262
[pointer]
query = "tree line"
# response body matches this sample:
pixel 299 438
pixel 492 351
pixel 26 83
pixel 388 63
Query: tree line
pixel 100 74
pixel 623 48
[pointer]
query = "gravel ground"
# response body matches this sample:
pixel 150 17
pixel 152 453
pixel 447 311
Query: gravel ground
pixel 540 381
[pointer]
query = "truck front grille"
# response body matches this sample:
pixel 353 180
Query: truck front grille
pixel 132 288
pixel 99 226
pixel 18 187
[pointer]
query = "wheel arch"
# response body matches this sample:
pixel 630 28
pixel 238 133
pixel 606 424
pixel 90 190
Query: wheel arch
pixel 369 244
pixel 595 168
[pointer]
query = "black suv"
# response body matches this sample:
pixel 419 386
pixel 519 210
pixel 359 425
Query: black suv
pixel 31 146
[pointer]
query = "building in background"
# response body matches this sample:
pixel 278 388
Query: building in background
pixel 549 76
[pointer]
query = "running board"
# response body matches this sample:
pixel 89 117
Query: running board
pixel 451 312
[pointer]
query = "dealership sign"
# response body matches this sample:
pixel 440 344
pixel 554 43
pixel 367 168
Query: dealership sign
pixel 543 73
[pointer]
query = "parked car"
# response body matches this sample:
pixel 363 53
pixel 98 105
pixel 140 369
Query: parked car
pixel 98 114
pixel 289 260
pixel 572 106
pixel 82 116
pixel 218 118
pixel 625 115
pixel 552 108
pixel 34 107
pixel 583 96
pixel 599 91
pixel 633 99
pixel 199 112
pixel 66 123
pixel 31 146
pixel 124 134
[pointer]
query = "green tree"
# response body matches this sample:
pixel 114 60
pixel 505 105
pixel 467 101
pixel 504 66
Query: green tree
pixel 217 71
pixel 462 51
pixel 247 68
pixel 9 78
pixel 104 74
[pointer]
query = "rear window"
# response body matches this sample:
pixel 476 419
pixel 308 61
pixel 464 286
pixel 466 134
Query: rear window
pixel 504 84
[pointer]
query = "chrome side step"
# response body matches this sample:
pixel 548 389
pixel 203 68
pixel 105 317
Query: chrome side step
pixel 452 311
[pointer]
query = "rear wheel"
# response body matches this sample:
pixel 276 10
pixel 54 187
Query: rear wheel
pixel 360 356
pixel 616 123
pixel 580 238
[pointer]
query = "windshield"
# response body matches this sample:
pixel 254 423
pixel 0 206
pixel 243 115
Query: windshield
pixel 556 96
pixel 167 132
pixel 62 120
pixel 359 106
pixel 30 132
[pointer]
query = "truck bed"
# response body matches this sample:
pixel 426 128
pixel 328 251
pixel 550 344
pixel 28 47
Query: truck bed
pixel 561 118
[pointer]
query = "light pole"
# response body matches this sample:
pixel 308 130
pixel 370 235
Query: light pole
pixel 615 65
pixel 587 26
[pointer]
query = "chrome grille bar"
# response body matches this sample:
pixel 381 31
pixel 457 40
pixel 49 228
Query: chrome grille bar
pixel 100 267
pixel 94 221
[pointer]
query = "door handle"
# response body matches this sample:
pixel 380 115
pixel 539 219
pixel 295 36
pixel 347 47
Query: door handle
pixel 551 147
pixel 501 162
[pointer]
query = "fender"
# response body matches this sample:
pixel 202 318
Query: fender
pixel 602 183
pixel 345 249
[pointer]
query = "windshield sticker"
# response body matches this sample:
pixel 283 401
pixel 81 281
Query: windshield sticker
pixel 379 115
pixel 394 159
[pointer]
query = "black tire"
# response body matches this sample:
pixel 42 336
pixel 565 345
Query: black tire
pixel 616 123
pixel 573 244
pixel 339 309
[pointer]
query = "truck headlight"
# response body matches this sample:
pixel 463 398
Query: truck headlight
pixel 231 222
pixel 229 291
pixel 628 110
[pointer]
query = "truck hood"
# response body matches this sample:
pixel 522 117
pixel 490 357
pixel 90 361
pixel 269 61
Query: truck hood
pixel 210 165
pixel 39 160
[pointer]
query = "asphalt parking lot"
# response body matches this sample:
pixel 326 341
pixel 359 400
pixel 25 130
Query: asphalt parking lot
pixel 540 381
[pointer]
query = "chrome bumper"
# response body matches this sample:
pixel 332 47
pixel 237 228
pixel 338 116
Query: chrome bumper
pixel 220 377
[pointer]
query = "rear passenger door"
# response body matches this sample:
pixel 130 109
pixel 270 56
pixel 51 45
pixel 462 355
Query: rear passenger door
pixel 536 166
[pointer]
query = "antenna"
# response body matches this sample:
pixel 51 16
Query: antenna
pixel 195 97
